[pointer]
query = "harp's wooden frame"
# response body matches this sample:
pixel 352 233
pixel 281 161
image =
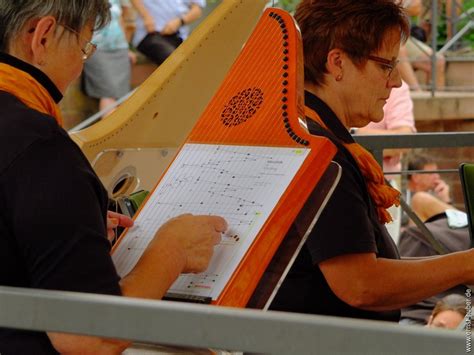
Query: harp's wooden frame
pixel 265 83
pixel 163 110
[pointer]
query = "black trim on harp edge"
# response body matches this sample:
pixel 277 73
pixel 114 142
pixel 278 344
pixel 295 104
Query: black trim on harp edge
pixel 284 91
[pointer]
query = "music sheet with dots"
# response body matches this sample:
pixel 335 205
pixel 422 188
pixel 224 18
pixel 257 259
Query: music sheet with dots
pixel 240 183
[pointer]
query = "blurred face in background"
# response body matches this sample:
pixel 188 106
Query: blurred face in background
pixel 445 319
pixel 426 182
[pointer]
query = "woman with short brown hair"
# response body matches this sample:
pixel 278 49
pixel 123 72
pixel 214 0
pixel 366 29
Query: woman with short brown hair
pixel 349 266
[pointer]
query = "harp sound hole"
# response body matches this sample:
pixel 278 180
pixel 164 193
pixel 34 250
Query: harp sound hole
pixel 242 106
pixel 124 186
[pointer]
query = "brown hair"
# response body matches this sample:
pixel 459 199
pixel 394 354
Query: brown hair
pixel 453 302
pixel 418 162
pixel 358 27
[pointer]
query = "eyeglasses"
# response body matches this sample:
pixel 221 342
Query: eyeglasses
pixel 387 65
pixel 89 48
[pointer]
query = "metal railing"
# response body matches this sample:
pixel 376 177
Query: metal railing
pixel 376 144
pixel 458 34
pixel 202 326
pixel 451 19
pixel 99 115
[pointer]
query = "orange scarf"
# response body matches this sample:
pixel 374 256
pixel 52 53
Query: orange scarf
pixel 382 194
pixel 29 91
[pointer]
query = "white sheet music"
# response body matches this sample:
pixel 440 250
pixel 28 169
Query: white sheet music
pixel 240 183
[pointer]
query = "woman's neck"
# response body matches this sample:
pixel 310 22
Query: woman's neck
pixel 326 94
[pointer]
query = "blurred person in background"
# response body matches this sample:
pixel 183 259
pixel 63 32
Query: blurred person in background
pixel 398 118
pixel 448 313
pixel 420 185
pixel 449 227
pixel 106 75
pixel 416 55
pixel 161 26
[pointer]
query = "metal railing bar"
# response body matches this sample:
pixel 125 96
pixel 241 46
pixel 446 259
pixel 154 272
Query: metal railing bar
pixel 434 39
pixel 377 143
pixel 457 36
pixel 417 140
pixel 216 327
pixel 411 172
pixel 97 116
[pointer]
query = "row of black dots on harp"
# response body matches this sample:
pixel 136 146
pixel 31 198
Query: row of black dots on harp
pixel 285 75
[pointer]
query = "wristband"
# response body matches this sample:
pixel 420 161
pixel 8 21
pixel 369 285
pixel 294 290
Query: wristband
pixel 182 21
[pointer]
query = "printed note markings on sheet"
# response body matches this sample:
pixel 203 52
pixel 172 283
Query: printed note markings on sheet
pixel 240 183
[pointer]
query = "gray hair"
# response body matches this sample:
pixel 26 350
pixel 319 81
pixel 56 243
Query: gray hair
pixel 14 14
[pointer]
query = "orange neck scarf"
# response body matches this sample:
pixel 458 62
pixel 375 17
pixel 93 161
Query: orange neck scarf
pixel 28 90
pixel 382 194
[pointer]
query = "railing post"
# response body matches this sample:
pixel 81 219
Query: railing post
pixel 434 44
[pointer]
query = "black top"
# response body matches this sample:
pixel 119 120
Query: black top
pixel 52 213
pixel 349 224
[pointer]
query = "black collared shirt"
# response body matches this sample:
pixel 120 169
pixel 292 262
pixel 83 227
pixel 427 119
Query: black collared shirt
pixel 348 225
pixel 52 212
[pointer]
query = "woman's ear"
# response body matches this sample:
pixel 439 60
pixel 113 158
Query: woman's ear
pixel 42 39
pixel 334 63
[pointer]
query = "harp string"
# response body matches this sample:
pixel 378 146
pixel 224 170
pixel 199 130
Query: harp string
pixel 265 49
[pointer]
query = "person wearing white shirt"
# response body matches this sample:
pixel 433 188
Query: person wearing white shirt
pixel 163 25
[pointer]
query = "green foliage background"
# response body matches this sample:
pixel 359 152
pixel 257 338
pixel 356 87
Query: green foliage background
pixel 469 36
pixel 288 5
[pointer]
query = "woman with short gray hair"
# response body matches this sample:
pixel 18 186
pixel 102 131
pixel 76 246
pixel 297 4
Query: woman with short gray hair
pixel 14 15
pixel 53 209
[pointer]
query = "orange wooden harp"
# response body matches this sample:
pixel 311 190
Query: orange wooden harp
pixel 261 103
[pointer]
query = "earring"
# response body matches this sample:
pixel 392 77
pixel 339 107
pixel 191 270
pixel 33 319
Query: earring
pixel 339 77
